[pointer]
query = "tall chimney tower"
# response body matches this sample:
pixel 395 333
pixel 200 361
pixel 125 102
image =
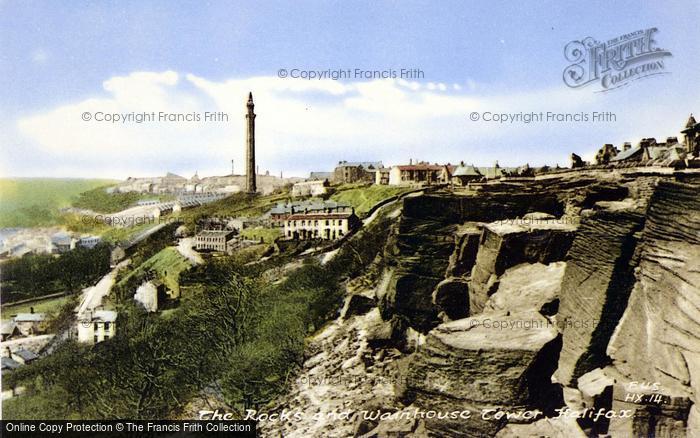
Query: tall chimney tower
pixel 250 147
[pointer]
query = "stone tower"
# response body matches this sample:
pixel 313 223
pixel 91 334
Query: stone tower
pixel 250 147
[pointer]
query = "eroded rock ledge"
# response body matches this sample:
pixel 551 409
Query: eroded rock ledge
pixel 560 296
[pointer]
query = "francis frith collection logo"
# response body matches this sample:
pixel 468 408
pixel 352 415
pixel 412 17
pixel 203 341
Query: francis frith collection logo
pixel 614 63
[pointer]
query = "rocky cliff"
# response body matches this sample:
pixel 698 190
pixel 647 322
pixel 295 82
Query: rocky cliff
pixel 567 306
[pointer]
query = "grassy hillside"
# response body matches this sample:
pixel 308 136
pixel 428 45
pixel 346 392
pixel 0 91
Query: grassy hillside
pixel 364 197
pixel 168 264
pixel 40 306
pixel 236 205
pixel 100 201
pixel 32 202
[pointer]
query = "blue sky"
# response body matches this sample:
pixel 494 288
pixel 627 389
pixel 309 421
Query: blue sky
pixel 57 57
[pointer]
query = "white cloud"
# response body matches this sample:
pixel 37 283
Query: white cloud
pixel 308 125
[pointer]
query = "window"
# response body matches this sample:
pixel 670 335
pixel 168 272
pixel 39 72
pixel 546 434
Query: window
pixel 106 326
pixel 340 222
pixel 95 339
pixel 327 221
pixel 96 326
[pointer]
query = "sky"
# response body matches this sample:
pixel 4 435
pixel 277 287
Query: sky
pixel 60 60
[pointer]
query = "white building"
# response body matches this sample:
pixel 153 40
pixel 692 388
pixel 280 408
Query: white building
pixel 320 225
pixel 97 326
pixel 419 173
pixel 310 188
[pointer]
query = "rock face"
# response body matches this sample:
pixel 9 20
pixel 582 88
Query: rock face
pixel 456 368
pixel 451 296
pixel 529 286
pixel 510 243
pixel 466 247
pixel 658 337
pixel 147 296
pixel 418 257
pixel 423 242
pixel 597 282
pixel 578 292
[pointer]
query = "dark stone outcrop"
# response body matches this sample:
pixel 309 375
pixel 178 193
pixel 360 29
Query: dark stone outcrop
pixel 417 256
pixel 597 282
pixel 529 286
pixel 466 246
pixel 451 296
pixel 357 304
pixel 658 337
pixel 505 245
pixel 492 361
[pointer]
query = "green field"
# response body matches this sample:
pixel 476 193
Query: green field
pixel 50 305
pixel 34 202
pixel 365 197
pixel 268 234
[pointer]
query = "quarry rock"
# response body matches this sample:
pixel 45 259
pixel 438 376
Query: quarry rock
pixel 528 286
pixel 451 296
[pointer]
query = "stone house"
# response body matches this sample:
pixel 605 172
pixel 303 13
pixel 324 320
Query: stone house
pixel 320 225
pixel 30 323
pixel 419 173
pixel 351 172
pixel 310 188
pixel 464 174
pixel 214 240
pixel 279 214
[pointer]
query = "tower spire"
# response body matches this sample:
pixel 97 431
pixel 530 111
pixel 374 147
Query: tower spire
pixel 250 146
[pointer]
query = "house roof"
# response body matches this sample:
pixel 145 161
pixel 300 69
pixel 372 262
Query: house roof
pixel 365 164
pixel 9 364
pixel 171 175
pixel 307 216
pixel 306 205
pixel 8 327
pixel 105 315
pixel 310 183
pixel 321 175
pixel 29 317
pixel 420 167
pixel 466 171
pixel 61 238
pixel 214 233
pixel 25 354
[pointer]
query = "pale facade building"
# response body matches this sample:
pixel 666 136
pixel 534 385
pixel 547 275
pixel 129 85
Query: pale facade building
pixel 320 225
pixel 310 188
pixel 97 326
pixel 420 173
